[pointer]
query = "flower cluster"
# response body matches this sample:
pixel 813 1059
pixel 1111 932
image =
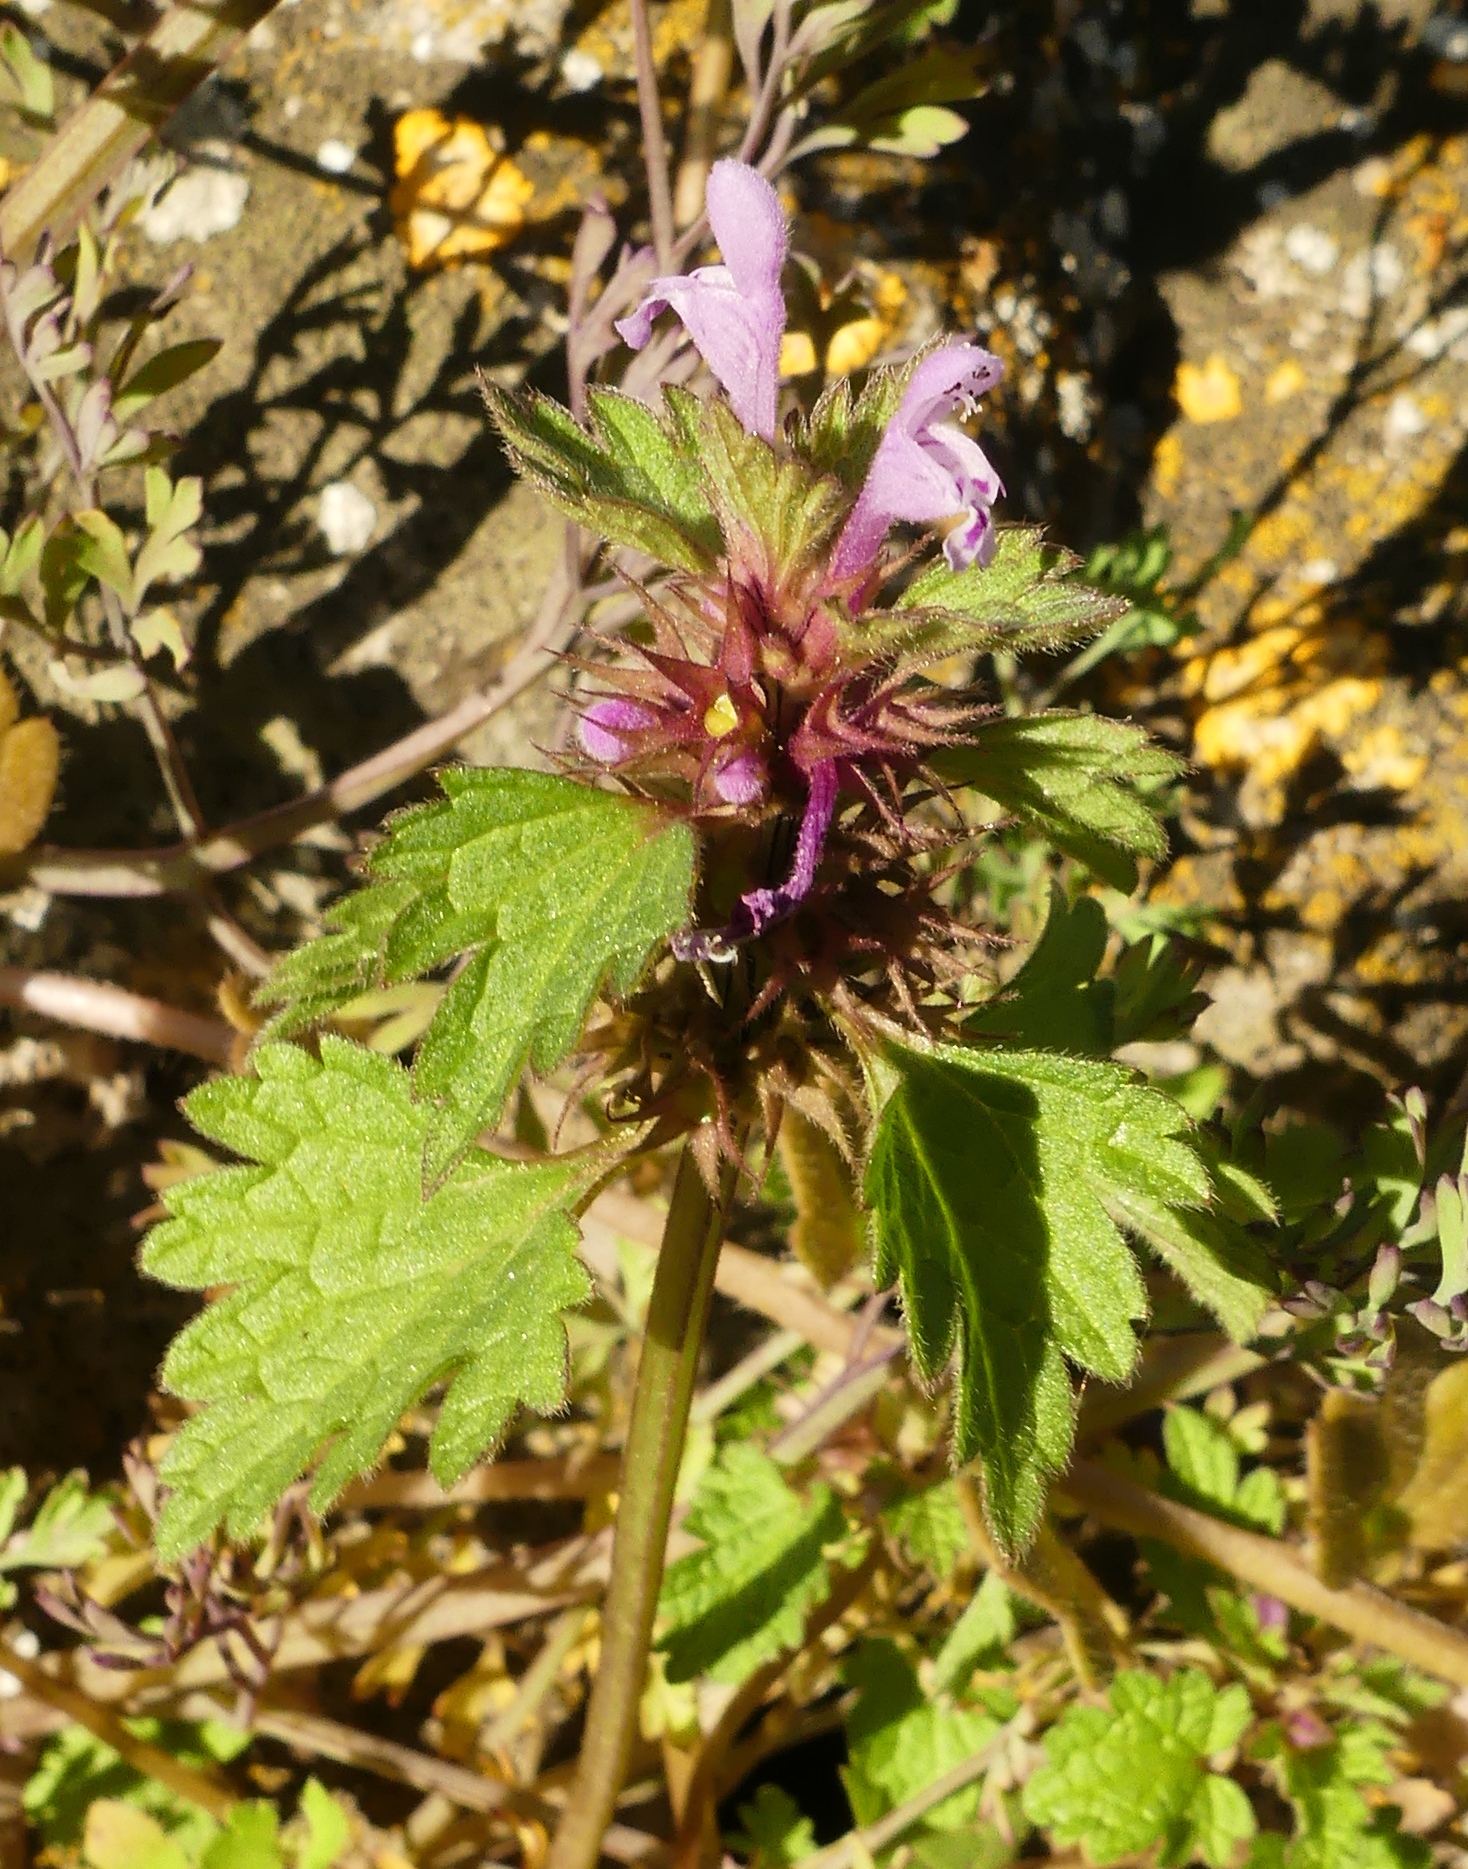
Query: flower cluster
pixel 756 691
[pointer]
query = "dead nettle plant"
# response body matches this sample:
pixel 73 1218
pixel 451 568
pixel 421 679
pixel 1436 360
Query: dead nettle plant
pixel 734 913
pixel 733 908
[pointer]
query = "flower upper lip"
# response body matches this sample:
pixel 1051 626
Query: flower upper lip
pixel 734 312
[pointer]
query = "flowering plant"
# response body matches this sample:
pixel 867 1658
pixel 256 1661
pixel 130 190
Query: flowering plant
pixel 738 905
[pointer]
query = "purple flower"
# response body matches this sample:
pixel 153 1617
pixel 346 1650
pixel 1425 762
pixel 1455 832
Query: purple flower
pixel 760 909
pixel 605 727
pixel 735 313
pixel 926 468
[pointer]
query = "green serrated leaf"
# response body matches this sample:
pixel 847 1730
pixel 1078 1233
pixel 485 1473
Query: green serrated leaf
pixel 1055 1002
pixel 1025 598
pixel 774 1833
pixel 843 431
pixel 992 1180
pixel 744 1598
pixel 1119 1782
pixel 627 478
pixel 899 1740
pixel 775 514
pixel 987 1627
pixel 317 979
pixel 555 887
pixel 1076 777
pixel 930 1528
pixel 1335 1827
pixel 351 1293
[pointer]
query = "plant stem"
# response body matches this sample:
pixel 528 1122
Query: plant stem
pixel 660 1406
pixel 713 65
pixel 94 1006
pixel 654 146
pixel 135 99
pixel 152 1761
pixel 1270 1566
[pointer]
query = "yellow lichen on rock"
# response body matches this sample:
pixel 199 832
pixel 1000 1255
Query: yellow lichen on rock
pixel 1268 701
pixel 456 196
pixel 1208 392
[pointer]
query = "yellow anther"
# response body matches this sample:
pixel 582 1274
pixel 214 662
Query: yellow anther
pixel 721 719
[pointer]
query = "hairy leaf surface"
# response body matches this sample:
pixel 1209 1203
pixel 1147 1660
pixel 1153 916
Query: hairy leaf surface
pixel 1120 1781
pixel 555 888
pixel 899 1740
pixel 744 1597
pixel 1076 778
pixel 351 1294
pixel 1024 599
pixel 994 1178
pixel 626 477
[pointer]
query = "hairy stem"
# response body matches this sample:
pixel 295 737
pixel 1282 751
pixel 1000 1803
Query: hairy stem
pixel 660 1406
pixel 654 146
pixel 1270 1566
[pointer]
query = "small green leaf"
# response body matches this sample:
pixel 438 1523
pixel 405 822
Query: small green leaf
pixel 899 1740
pixel 1119 1782
pixel 327 1826
pixel 1055 1002
pixel 22 555
pixel 351 1295
pixel 30 75
pixel 70 1528
pixel 774 1833
pixel 1077 779
pixel 843 432
pixel 102 550
pixel 13 1489
pixel 744 1598
pixel 249 1839
pixel 775 514
pixel 930 1528
pixel 993 1180
pixel 162 373
pixel 987 1627
pixel 626 478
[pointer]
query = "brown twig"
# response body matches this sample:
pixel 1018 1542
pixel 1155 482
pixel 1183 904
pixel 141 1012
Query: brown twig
pixel 105 1725
pixel 654 145
pixel 564 1478
pixel 177 868
pixel 94 1006
pixel 1271 1566
pixel 713 64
